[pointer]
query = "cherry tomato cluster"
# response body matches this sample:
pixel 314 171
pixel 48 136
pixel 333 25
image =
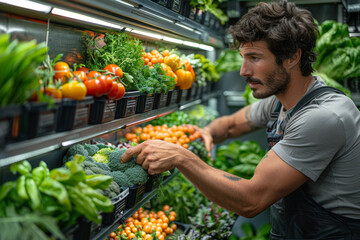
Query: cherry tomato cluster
pixel 145 224
pixel 153 57
pixel 180 135
pixel 82 82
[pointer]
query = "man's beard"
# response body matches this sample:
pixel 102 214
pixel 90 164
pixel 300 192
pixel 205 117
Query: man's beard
pixel 275 83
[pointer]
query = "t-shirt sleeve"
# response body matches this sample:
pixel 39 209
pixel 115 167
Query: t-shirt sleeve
pixel 261 111
pixel 311 139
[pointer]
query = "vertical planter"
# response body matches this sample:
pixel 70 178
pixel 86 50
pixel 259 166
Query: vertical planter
pixel 145 103
pixel 126 106
pixel 37 119
pixel 9 123
pixel 102 110
pixel 73 114
pixel 160 100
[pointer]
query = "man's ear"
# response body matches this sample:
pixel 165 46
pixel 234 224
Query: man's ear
pixel 294 59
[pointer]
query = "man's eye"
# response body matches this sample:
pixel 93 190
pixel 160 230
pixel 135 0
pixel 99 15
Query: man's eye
pixel 254 58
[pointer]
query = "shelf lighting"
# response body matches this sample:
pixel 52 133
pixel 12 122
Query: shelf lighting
pixel 191 44
pixel 156 16
pixel 206 47
pixel 125 3
pixel 147 34
pixel 28 5
pixel 173 40
pixel 84 18
pixel 185 27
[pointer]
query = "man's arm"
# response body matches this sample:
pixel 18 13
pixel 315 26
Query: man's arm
pixel 272 180
pixel 225 127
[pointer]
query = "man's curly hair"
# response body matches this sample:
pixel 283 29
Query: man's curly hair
pixel 284 27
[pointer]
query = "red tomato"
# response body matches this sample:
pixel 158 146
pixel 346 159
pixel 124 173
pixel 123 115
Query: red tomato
pixel 81 75
pixel 107 83
pixel 62 71
pixel 114 69
pixel 114 91
pixel 121 91
pixel 93 74
pixel 83 69
pixel 94 87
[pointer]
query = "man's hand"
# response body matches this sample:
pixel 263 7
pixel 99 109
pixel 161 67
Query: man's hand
pixel 155 156
pixel 206 137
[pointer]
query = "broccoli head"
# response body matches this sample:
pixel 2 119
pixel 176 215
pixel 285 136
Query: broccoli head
pixel 73 150
pixel 114 161
pixel 114 187
pixel 137 174
pixel 91 166
pixel 102 155
pixel 91 148
pixel 102 145
pixel 121 179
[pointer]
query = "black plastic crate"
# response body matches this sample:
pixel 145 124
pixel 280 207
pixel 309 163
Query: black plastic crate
pixel 176 5
pixel 182 227
pixel 160 100
pixel 126 106
pixel 175 96
pixel 119 206
pixel 9 123
pixel 70 231
pixel 102 110
pixel 165 3
pixel 145 103
pixel 37 119
pixel 86 229
pixel 136 193
pixel 153 182
pixel 199 17
pixel 184 95
pixel 73 114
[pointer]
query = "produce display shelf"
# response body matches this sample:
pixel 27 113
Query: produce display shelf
pixel 105 231
pixel 18 151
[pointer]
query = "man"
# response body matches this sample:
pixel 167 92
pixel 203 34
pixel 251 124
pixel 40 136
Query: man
pixel 310 176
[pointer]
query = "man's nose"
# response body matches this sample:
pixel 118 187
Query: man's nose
pixel 245 70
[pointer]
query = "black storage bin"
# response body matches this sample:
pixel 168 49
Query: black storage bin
pixel 119 206
pixel 145 103
pixel 86 229
pixel 165 3
pixel 160 100
pixel 175 96
pixel 126 106
pixel 199 17
pixel 136 193
pixel 102 110
pixel 73 114
pixel 9 123
pixel 37 119
pixel 206 19
pixel 176 5
pixel 153 182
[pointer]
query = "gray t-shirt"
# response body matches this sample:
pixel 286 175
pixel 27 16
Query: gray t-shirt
pixel 322 140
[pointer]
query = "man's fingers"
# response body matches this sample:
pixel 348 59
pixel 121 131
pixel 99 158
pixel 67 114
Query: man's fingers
pixel 130 153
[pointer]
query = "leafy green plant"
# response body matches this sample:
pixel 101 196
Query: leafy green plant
pixel 211 6
pixel 251 234
pixel 118 48
pixel 239 158
pixel 19 60
pixel 182 195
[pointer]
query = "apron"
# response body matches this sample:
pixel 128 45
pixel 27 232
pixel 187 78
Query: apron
pixel 298 216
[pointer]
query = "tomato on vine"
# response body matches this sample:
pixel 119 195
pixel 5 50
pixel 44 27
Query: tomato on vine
pixel 113 68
